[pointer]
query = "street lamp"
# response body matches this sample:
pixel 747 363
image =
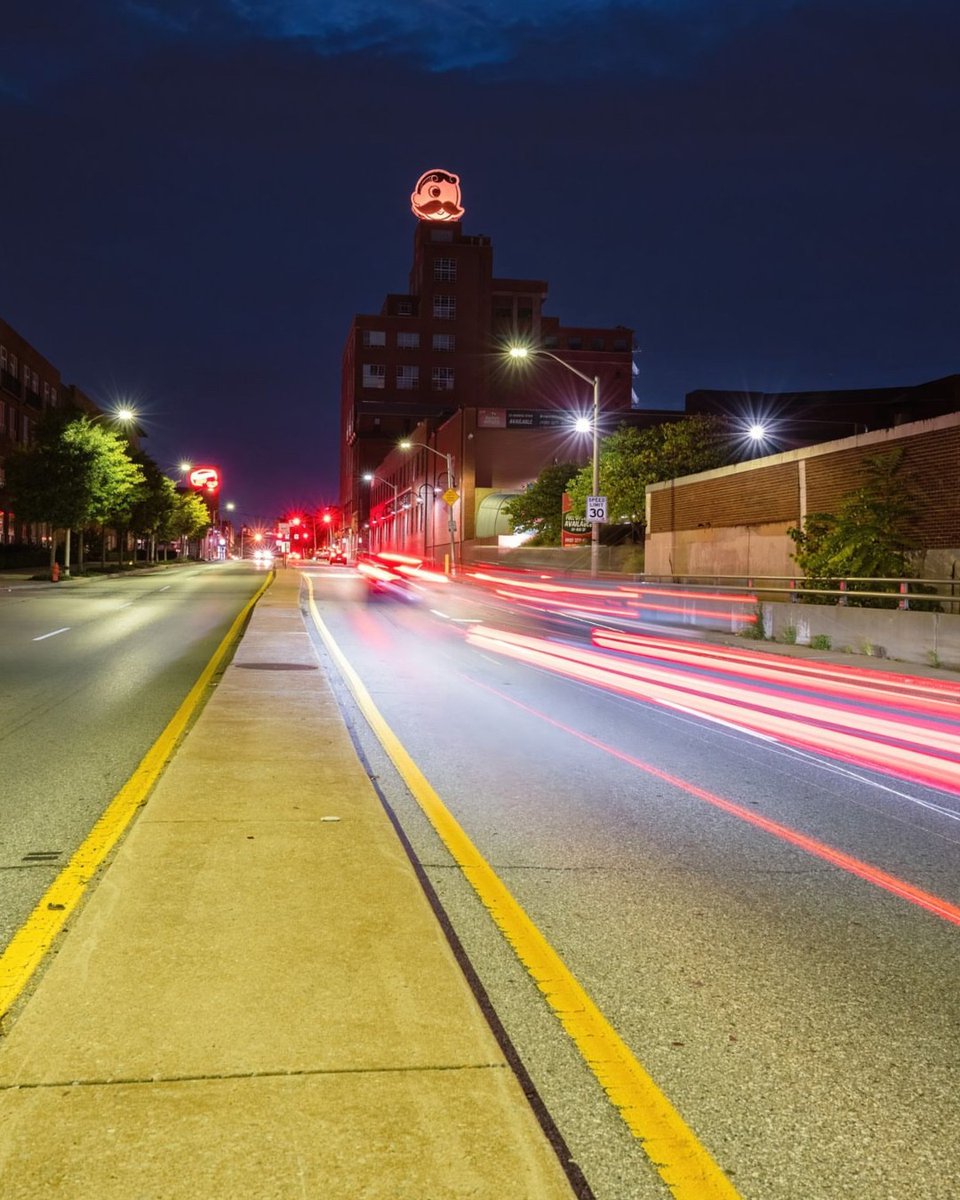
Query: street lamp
pixel 369 477
pixel 522 352
pixel 406 444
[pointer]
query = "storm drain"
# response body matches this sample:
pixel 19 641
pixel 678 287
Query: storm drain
pixel 276 666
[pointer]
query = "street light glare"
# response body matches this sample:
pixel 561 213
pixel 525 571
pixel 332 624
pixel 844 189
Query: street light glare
pixel 583 424
pixel 124 414
pixel 757 432
pixel 519 352
pixel 405 444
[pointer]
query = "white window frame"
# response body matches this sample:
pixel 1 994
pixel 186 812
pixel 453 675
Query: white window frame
pixel 408 378
pixel 445 307
pixel 446 343
pixel 373 338
pixel 408 339
pixel 374 375
pixel 445 270
pixel 442 379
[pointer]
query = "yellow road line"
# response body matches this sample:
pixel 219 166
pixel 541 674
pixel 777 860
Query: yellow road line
pixel 31 942
pixel 683 1163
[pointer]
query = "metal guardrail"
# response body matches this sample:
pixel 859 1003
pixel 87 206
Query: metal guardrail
pixel 945 593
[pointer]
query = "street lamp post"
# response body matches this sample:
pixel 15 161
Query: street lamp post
pixel 406 444
pixel 520 352
pixel 369 477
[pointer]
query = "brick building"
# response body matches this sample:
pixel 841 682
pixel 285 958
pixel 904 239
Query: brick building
pixel 29 383
pixel 733 521
pixel 432 360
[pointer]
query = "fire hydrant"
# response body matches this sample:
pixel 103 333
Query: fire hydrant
pixel 55 573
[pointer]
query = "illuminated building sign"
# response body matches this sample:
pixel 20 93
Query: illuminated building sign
pixel 437 197
pixel 205 479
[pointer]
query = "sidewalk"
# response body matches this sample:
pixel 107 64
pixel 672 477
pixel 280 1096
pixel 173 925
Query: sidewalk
pixel 257 1000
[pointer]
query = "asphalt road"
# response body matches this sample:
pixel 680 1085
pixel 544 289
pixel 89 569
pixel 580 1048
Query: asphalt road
pixel 747 911
pixel 91 671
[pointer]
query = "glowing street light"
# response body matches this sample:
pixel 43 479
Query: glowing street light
pixel 450 495
pixel 582 425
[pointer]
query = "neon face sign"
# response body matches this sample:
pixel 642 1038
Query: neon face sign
pixel 437 196
pixel 205 479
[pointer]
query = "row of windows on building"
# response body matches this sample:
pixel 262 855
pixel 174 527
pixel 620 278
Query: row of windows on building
pixel 15 425
pixel 13 372
pixel 406 340
pixel 407 377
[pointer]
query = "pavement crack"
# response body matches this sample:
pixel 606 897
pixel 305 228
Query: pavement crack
pixel 223 1077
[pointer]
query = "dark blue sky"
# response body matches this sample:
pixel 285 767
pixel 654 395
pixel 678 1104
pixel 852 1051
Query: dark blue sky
pixel 197 197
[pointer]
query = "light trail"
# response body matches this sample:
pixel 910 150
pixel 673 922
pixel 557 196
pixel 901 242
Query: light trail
pixel 845 862
pixel 907 746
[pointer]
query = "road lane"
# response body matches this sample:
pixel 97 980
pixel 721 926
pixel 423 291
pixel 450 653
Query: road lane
pixel 803 1020
pixel 82 708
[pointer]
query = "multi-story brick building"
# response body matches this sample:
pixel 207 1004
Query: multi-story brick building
pixel 440 349
pixel 29 383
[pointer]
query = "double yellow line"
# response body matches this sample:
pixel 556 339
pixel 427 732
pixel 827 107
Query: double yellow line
pixel 683 1163
pixel 25 952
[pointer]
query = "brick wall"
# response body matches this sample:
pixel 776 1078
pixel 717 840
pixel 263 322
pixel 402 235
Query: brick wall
pixel 768 489
pixel 770 493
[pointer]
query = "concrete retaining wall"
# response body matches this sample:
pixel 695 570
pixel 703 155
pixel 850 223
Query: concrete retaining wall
pixel 915 637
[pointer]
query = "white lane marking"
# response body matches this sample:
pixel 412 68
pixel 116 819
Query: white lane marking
pixel 51 634
pixel 165 588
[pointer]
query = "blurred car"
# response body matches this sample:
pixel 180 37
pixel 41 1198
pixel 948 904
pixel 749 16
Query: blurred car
pixel 263 556
pixel 337 557
pixel 390 576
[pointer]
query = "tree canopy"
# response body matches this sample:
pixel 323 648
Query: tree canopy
pixel 539 507
pixel 631 458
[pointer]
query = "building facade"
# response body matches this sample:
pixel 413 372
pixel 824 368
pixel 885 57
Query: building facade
pixel 29 383
pixel 435 360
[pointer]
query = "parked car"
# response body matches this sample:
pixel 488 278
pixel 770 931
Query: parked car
pixel 338 557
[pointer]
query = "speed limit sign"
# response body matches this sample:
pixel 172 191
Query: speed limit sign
pixel 597 509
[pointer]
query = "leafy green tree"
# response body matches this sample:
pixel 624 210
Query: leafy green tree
pixel 871 536
pixel 631 458
pixel 539 507
pixel 154 504
pixel 189 518
pixel 115 481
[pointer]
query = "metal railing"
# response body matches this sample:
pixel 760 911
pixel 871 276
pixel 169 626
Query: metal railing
pixel 944 594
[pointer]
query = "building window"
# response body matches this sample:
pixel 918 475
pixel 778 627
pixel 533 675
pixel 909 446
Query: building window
pixel 404 308
pixel 620 343
pixel 408 341
pixel 14 367
pixel 551 343
pixel 597 344
pixel 444 341
pixel 374 375
pixel 3 358
pixel 443 379
pixel 408 378
pixel 575 343
pixel 445 307
pixel 524 314
pixel 374 337
pixel 503 314
pixel 445 269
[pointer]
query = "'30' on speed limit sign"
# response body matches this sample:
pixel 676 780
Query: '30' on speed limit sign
pixel 597 509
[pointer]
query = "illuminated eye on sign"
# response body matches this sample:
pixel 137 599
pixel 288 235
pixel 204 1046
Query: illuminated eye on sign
pixel 437 196
pixel 205 478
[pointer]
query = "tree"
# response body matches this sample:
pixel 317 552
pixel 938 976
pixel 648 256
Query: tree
pixel 189 517
pixel 871 536
pixel 631 458
pixel 154 503
pixel 114 479
pixel 539 508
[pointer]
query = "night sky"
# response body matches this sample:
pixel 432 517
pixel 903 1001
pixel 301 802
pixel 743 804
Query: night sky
pixel 197 197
